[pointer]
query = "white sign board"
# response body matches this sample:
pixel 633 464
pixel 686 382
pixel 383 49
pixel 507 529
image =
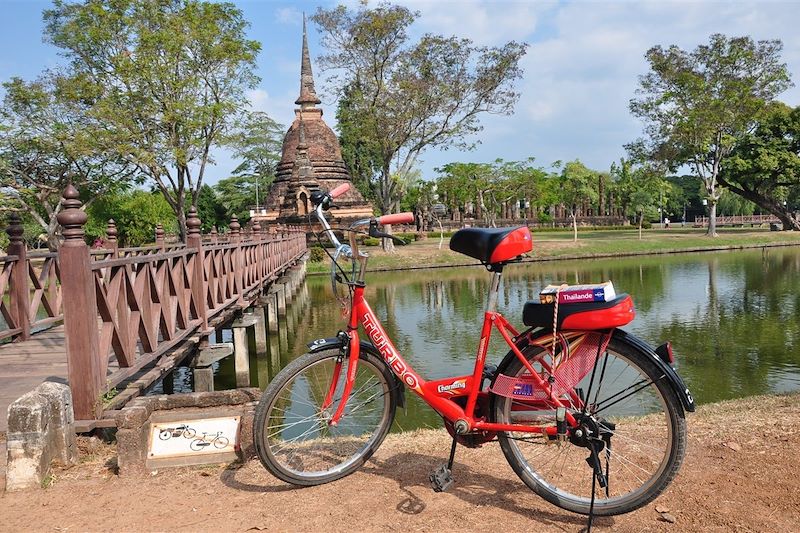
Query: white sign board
pixel 193 437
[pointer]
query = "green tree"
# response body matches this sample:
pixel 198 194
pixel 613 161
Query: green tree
pixel 46 141
pixel 697 104
pixel 361 154
pixel 405 96
pixel 210 210
pixel 237 195
pixel 764 166
pixel 165 78
pixel 258 143
pixel 135 213
pixel 577 186
pixel 640 189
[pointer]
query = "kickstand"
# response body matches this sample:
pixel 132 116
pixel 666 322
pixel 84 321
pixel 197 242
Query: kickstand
pixel 597 473
pixel 442 477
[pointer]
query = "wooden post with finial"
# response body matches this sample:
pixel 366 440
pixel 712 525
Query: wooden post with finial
pixel 160 236
pixel 236 237
pixel 195 241
pixel 214 235
pixel 259 256
pixel 111 237
pixel 87 366
pixel 19 291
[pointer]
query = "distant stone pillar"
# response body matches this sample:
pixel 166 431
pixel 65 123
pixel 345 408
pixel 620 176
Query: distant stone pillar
pixel 214 235
pixel 19 291
pixel 87 367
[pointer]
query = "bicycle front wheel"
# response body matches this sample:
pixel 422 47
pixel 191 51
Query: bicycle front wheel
pixel 292 432
pixel 629 403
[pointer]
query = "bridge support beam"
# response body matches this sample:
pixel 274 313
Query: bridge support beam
pixel 260 328
pixel 280 292
pixel 271 302
pixel 242 329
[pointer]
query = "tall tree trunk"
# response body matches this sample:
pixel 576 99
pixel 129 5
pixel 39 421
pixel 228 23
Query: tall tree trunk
pixel 574 226
pixel 712 218
pixel 641 219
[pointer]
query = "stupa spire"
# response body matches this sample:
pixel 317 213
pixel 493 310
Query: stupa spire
pixel 308 95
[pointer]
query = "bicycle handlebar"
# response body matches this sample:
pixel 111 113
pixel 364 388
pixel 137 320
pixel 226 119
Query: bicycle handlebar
pixel 397 218
pixel 340 190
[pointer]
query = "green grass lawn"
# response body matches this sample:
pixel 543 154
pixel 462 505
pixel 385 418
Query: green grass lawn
pixel 552 245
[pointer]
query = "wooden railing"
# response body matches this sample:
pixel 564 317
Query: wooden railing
pixel 737 220
pixel 132 304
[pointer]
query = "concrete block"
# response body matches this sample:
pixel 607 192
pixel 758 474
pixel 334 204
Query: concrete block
pixel 132 441
pixel 203 377
pixel 41 429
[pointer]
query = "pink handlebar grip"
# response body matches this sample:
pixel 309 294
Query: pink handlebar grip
pixel 397 218
pixel 340 190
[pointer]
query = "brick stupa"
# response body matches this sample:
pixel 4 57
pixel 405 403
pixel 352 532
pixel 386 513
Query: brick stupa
pixel 311 160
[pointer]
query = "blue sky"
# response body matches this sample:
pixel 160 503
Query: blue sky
pixel 580 70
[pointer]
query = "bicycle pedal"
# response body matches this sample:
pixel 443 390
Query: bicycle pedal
pixel 441 479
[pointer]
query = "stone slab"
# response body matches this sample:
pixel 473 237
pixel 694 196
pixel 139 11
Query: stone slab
pixel 246 321
pixel 212 354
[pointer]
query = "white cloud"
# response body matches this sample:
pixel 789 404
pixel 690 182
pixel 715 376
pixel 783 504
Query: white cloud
pixel 487 23
pixel 289 15
pixel 280 109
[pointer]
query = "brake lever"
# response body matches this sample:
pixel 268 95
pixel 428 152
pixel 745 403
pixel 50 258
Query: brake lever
pixel 373 232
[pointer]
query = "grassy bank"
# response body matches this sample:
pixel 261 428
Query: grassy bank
pixel 593 243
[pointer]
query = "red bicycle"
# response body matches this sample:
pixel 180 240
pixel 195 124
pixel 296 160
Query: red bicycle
pixel 588 416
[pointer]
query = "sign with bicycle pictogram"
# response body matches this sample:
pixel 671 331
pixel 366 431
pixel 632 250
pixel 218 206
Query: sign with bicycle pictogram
pixel 193 437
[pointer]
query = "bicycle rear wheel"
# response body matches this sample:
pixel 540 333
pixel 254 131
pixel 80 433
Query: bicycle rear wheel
pixel 292 434
pixel 630 403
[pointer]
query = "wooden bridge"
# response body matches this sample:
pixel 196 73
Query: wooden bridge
pixel 104 319
pixel 738 220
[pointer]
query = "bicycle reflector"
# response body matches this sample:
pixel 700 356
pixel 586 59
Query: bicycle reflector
pixel 665 353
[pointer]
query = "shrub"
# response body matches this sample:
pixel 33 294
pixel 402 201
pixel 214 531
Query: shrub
pixel 317 254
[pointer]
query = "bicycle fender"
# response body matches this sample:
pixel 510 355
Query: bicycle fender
pixel 670 373
pixel 318 345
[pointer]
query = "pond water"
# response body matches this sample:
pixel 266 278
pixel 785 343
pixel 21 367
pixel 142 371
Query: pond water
pixel 733 318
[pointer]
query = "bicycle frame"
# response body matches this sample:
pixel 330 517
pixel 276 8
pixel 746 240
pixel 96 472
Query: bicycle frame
pixel 439 394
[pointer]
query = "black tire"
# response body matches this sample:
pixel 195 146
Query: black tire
pixel 648 441
pixel 164 434
pixel 221 442
pixel 306 450
pixel 189 433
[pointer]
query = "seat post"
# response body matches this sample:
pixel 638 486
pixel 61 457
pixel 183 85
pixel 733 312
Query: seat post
pixel 494 288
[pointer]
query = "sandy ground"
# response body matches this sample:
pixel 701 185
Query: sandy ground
pixel 742 473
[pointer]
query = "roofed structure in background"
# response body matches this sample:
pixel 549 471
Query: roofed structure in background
pixel 311 160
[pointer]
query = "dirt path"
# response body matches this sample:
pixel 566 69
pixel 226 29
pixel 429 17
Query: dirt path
pixel 742 473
